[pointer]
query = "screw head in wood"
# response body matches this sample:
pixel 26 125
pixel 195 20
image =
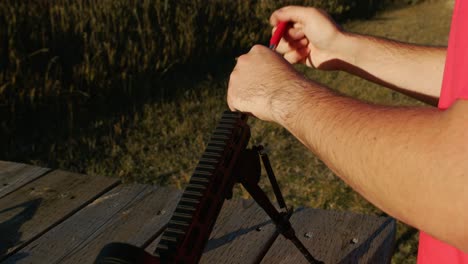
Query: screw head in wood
pixel 161 212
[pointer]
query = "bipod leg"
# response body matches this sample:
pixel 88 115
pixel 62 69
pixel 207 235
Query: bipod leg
pixel 272 178
pixel 248 174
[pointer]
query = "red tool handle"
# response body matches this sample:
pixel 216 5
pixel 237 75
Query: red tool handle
pixel 279 32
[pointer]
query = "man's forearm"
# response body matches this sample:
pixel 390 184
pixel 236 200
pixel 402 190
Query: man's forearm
pixel 411 69
pixel 410 162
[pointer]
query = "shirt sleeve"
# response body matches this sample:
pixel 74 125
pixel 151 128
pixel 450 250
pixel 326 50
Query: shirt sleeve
pixel 455 82
pixel 454 87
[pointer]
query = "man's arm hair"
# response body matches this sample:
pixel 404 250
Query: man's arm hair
pixel 411 162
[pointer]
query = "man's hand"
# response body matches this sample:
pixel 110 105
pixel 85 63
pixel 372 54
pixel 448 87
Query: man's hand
pixel 390 155
pixel 312 38
pixel 262 83
pixel 316 41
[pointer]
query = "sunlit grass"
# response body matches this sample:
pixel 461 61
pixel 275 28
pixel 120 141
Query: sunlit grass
pixel 85 49
pixel 63 55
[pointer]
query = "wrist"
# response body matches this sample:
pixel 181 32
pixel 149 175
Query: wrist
pixel 341 53
pixel 305 106
pixel 286 103
pixel 338 54
pixel 355 50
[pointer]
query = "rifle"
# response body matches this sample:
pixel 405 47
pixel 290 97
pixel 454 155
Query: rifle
pixel 225 162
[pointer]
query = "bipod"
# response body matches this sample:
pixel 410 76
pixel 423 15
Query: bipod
pixel 248 171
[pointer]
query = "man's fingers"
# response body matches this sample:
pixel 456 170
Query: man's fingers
pixel 296 43
pixel 287 46
pixel 292 33
pixel 296 56
pixel 296 14
pixel 294 38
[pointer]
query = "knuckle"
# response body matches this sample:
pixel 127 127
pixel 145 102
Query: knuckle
pixel 257 48
pixel 242 58
pixel 233 75
pixel 285 8
pixel 312 10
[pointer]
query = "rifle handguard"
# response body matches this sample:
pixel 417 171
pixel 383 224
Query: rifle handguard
pixel 212 182
pixel 224 162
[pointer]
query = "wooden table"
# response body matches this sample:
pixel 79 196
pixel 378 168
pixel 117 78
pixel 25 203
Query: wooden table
pixel 55 216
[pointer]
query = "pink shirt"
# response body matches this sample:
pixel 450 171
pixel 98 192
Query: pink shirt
pixel 454 86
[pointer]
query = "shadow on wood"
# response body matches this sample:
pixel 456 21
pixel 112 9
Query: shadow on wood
pixel 10 228
pixel 226 239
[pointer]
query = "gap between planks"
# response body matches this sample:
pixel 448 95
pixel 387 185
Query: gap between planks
pixel 38 206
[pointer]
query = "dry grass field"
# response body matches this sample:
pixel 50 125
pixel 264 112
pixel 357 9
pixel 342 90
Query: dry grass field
pixel 159 141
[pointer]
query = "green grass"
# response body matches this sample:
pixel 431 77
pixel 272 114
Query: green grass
pixel 90 49
pixel 82 68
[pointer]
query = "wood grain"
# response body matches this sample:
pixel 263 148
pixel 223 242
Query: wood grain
pixel 139 225
pixel 38 206
pixel 337 237
pixel 14 175
pixel 62 217
pixel 242 234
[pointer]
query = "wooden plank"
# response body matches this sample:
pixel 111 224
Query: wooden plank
pixel 139 224
pixel 80 227
pixel 133 214
pixel 40 205
pixel 242 234
pixel 337 237
pixel 14 175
